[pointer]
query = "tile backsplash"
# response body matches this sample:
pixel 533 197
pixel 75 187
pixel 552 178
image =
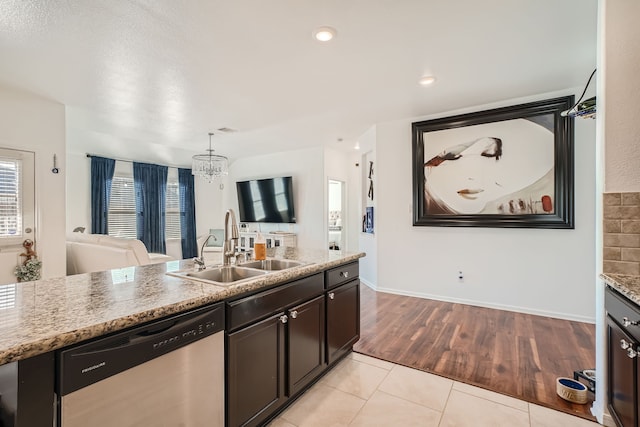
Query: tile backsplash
pixel 621 227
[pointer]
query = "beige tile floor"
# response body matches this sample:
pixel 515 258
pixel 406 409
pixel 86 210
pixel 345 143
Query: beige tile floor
pixel 364 391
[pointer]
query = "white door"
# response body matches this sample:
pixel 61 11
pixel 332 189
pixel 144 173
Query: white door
pixel 17 210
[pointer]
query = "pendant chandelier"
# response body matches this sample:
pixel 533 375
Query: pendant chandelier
pixel 210 166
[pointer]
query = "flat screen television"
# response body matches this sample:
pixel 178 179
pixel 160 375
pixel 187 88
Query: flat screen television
pixel 266 200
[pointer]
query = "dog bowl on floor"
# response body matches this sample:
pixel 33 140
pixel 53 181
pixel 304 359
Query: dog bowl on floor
pixel 571 390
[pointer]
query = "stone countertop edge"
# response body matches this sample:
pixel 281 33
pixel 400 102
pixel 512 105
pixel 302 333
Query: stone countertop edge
pixel 50 314
pixel 627 285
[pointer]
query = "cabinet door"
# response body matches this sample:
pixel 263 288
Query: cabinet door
pixel 306 343
pixel 255 372
pixel 343 319
pixel 622 376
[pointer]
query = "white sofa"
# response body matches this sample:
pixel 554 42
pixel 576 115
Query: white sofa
pixel 98 252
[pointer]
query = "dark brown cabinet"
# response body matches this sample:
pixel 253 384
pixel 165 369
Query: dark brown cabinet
pixel 343 319
pixel 27 391
pixel 305 351
pixel 255 356
pixel 280 340
pixel 623 333
pixel 270 360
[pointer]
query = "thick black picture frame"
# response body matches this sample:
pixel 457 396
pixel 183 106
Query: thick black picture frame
pixel 563 215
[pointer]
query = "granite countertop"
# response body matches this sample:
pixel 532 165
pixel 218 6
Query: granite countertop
pixel 628 286
pixel 37 317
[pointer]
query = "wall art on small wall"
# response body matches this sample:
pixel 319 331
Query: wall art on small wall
pixel 370 190
pixel 507 167
pixel 369 220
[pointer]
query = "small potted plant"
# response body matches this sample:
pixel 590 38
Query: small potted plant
pixel 28 271
pixel 31 267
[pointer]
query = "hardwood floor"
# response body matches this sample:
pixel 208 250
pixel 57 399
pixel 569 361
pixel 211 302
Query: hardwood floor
pixel 517 354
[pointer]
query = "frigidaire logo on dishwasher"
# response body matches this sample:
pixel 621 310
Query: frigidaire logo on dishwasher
pixel 91 368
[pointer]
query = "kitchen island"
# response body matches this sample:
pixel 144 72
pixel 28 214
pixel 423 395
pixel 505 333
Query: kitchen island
pixel 42 316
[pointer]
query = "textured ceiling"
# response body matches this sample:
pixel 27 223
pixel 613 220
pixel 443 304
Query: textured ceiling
pixel 149 79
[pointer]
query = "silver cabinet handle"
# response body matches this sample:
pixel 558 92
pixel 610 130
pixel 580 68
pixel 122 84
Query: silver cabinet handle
pixel 344 274
pixel 631 353
pixel 624 344
pixel 284 318
pixel 294 314
pixel 626 322
pixel 332 295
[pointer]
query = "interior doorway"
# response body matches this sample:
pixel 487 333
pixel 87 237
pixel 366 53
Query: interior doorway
pixel 336 215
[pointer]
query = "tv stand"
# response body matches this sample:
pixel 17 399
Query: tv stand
pixel 273 239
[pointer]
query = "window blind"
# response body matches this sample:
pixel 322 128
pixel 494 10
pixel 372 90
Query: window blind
pixel 10 198
pixel 172 208
pixel 122 208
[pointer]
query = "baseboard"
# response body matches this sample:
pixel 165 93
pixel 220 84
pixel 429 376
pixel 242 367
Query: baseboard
pixel 607 420
pixel 369 284
pixel 564 316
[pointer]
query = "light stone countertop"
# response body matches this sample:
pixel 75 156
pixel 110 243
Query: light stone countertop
pixel 628 286
pixel 37 317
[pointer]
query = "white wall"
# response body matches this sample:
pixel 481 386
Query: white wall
pixel 369 242
pixel 618 139
pixel 78 191
pixel 306 167
pixel 548 272
pixel 209 204
pixel 620 65
pixel 32 123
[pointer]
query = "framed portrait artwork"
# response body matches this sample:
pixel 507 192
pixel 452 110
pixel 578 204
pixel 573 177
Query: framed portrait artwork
pixel 506 167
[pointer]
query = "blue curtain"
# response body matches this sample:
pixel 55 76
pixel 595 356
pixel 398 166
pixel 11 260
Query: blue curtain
pixel 187 214
pixel 150 182
pixel 101 179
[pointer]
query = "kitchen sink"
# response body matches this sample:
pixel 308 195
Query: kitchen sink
pixel 232 274
pixel 271 264
pixel 226 275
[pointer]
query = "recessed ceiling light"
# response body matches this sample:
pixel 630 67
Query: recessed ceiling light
pixel 324 34
pixel 357 146
pixel 426 80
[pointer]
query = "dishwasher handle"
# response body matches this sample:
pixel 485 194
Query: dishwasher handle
pixel 88 363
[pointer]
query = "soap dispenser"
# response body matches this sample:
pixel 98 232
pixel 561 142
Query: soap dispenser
pixel 260 248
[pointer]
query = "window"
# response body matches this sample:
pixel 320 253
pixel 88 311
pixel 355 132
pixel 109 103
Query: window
pixel 122 207
pixel 172 208
pixel 10 198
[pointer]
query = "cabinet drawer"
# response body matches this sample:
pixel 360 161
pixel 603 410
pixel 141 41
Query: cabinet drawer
pixel 619 308
pixel 255 307
pixel 341 274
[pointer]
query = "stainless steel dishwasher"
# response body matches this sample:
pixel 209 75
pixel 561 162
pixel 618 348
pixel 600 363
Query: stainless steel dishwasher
pixel 167 373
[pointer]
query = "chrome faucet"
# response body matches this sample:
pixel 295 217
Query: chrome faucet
pixel 230 243
pixel 200 261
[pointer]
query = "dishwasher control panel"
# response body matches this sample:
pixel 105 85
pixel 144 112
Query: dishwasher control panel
pixel 206 328
pixel 85 364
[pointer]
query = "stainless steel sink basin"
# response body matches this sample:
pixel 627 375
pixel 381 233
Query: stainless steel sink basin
pixel 271 264
pixel 221 275
pixel 232 274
